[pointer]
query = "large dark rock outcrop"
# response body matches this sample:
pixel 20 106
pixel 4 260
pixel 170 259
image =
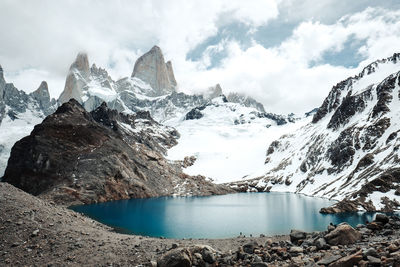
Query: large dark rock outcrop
pixel 79 157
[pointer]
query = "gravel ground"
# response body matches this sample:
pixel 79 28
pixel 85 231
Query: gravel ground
pixel 35 232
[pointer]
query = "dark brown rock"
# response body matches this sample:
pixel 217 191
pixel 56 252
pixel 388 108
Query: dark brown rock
pixel 382 218
pixel 175 258
pixel 296 235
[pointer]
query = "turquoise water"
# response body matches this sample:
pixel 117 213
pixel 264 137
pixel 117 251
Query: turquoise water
pixel 218 216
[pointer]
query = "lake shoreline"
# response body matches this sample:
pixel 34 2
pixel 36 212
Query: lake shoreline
pixel 40 233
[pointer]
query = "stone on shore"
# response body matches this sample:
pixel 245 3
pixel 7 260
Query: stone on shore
pixel 344 234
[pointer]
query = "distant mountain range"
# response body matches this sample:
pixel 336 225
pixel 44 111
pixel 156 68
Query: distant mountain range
pixel 91 86
pixel 347 149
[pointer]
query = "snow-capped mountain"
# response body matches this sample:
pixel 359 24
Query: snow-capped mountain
pixel 350 150
pixel 151 87
pixel 214 128
pixel 19 113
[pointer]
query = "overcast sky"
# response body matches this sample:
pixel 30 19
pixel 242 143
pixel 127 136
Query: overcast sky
pixel 285 53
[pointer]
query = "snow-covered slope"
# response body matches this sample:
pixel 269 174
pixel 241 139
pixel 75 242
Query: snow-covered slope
pixel 19 113
pixel 350 150
pixel 227 141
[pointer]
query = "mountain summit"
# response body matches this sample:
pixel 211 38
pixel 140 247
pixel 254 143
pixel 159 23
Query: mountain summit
pixel 78 73
pixel 152 69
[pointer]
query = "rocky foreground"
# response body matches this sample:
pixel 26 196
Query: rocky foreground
pixel 35 232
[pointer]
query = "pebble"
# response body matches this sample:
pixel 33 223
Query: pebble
pixel 35 232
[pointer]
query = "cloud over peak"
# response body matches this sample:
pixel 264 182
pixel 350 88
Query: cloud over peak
pixel 229 42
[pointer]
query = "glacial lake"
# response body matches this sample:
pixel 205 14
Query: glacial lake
pixel 218 216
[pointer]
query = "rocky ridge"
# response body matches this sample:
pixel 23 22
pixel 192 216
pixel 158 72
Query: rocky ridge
pixel 350 150
pixel 75 157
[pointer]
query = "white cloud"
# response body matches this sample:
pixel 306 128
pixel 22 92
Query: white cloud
pixel 46 35
pixel 283 78
pixel 40 39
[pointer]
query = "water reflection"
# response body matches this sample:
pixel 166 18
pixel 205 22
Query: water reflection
pixel 219 216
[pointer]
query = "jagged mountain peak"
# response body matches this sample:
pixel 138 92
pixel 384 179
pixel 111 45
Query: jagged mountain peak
pixel 152 69
pixel 245 100
pixel 81 64
pixel 156 49
pixel 42 96
pixel 171 75
pixel 43 87
pixel 71 106
pixel 213 92
pixel 77 78
pixel 88 85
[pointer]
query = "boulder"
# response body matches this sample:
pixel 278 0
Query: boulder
pixel 249 247
pixel 374 226
pixel 295 250
pixel 296 235
pixel 320 243
pixel 175 258
pixel 382 218
pixel 329 259
pixel 259 264
pixel 208 254
pixel 373 261
pixel 344 234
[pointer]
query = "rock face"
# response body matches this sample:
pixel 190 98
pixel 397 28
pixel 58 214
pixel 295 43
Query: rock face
pixel 79 157
pixel 152 69
pixel 350 149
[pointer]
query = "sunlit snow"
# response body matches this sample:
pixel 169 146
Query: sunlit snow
pixel 227 152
